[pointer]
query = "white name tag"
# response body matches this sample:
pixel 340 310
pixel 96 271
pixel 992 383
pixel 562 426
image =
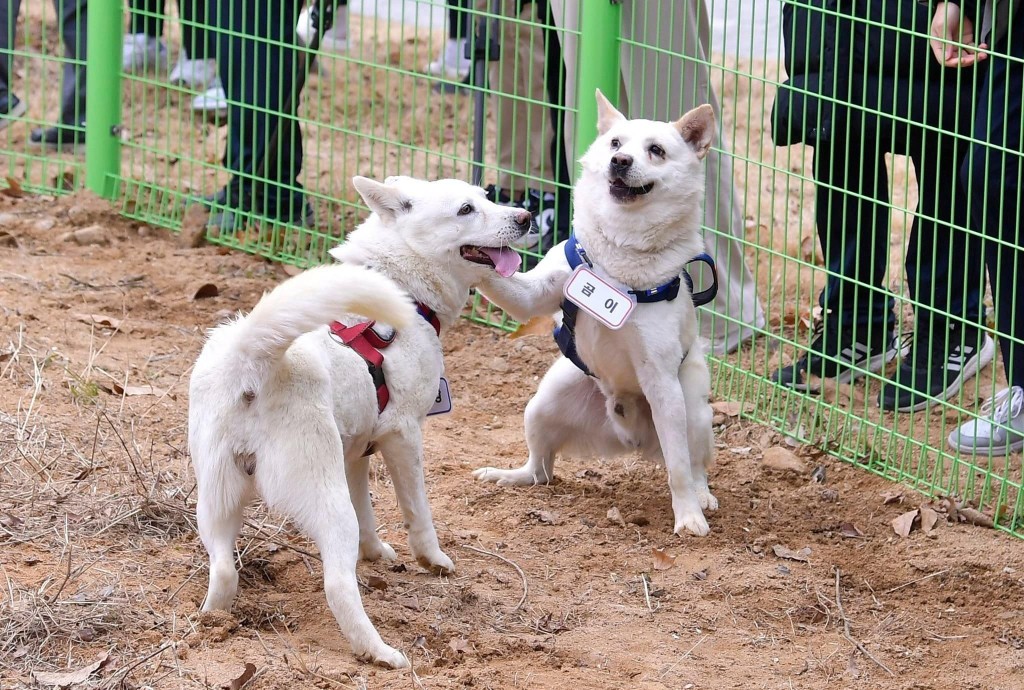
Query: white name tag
pixel 443 402
pixel 599 298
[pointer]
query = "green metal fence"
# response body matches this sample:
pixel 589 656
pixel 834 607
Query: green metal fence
pixel 840 166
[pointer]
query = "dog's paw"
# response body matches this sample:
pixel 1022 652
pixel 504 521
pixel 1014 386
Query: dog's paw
pixel 707 500
pixel 388 656
pixel 518 477
pixel 694 522
pixel 438 563
pixel 376 552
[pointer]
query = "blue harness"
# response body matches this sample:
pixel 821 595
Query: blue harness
pixel 565 334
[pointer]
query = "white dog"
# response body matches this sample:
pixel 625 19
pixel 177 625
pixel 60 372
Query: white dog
pixel 636 226
pixel 281 408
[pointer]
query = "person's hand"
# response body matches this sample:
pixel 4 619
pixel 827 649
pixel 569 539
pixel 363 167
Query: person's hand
pixel 952 38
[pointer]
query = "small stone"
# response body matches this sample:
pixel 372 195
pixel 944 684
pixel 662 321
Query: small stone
pixel 498 364
pixel 8 219
pixel 782 460
pixel 719 419
pixel 44 224
pixel 78 215
pixel 615 517
pixel 640 520
pixel 144 231
pixel 92 235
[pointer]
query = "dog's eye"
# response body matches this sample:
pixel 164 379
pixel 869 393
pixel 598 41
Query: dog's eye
pixel 616 144
pixel 656 150
pixel 466 209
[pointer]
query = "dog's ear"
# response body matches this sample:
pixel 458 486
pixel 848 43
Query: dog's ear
pixel 607 115
pixel 385 200
pixel 698 129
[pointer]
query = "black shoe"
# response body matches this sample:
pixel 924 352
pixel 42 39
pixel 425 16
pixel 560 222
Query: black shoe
pixel 11 108
pixel 541 206
pixel 836 354
pixel 497 195
pixel 933 371
pixel 59 138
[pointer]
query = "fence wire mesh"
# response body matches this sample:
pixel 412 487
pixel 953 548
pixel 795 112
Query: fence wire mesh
pixel 858 196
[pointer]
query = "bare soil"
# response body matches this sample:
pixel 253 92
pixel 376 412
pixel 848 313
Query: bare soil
pixel 100 558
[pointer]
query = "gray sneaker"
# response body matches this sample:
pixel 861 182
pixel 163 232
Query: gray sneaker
pixel 999 429
pixel 11 110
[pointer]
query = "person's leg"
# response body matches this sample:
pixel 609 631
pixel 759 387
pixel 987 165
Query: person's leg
pixel 991 174
pixel 452 63
pixel 259 42
pixel 662 81
pixel 147 18
pixel 10 106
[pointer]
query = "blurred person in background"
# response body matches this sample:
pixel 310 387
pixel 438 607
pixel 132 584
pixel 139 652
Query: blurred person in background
pixel 452 62
pixel 70 132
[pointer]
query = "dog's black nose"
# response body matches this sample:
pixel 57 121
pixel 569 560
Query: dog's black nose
pixel 523 219
pixel 621 162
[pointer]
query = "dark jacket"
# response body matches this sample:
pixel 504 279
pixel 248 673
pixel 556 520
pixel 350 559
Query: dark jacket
pixel 860 66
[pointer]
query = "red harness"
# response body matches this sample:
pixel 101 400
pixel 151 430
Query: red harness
pixel 367 343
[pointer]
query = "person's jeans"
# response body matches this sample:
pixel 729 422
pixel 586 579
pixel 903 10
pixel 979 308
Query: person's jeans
pixel 258 68
pixel 991 174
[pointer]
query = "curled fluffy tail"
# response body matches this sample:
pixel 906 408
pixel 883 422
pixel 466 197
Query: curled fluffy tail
pixel 315 298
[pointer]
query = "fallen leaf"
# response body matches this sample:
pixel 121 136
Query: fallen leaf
pixel 206 290
pixel 129 391
pixel 904 523
pixel 539 325
pixel 67 678
pixel 783 552
pixel 819 474
pixel 459 644
pixel 400 568
pixel 701 574
pixel 852 667
pixel 409 602
pixel 236 683
pixel 928 519
pixel 809 249
pixel 375 582
pixel 892 497
pixel 548 624
pixel 662 559
pixel 291 269
pixel 13 189
pixel 975 517
pixel 8 240
pixel 782 460
pixel 848 530
pixel 615 517
pixel 101 321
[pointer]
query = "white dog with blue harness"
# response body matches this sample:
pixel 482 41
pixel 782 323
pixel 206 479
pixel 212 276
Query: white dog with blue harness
pixel 633 374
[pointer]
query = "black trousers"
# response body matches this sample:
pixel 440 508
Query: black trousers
pixel 991 174
pixel 258 63
pixel 72 17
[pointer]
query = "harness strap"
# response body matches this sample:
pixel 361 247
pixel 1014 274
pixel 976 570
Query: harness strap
pixel 565 333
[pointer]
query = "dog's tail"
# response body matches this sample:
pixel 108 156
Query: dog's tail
pixel 310 300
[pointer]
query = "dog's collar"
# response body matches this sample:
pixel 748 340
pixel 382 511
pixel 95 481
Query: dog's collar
pixel 576 255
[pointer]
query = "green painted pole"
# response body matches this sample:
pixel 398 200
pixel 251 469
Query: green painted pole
pixel 105 25
pixel 597 64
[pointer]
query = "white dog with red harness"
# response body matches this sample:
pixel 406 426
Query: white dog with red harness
pixel 287 401
pixel 634 373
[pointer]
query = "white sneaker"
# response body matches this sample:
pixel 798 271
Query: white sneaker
pixel 193 74
pixel 452 63
pixel 213 102
pixel 1001 433
pixel 333 41
pixel 141 53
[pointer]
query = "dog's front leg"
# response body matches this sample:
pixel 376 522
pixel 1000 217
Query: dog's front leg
pixel 531 294
pixel 668 408
pixel 403 455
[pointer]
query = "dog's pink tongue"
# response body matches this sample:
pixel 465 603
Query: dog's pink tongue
pixel 506 261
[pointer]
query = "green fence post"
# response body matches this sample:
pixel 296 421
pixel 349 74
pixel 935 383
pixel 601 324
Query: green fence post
pixel 105 25
pixel 597 65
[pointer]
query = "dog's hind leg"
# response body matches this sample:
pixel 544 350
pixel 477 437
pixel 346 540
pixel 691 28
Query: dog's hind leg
pixel 567 413
pixel 700 437
pixel 311 487
pixel 403 454
pixel 223 492
pixel 371 548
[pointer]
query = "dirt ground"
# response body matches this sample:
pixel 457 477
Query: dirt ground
pixel 100 558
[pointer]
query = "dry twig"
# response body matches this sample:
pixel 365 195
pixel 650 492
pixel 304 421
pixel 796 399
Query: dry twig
pixel 526 587
pixel 849 636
